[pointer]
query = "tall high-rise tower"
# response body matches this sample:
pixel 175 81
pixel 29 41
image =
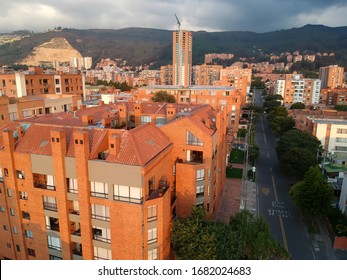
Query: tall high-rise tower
pixel 182 57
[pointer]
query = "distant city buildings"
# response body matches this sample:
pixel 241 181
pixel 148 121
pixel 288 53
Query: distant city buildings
pixel 331 76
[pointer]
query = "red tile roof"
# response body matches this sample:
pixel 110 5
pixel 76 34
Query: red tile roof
pixel 140 145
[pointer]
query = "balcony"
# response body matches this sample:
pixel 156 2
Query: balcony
pixel 50 206
pixel 128 199
pixel 52 224
pixel 97 235
pixel 43 181
pixel 40 185
pixel 160 191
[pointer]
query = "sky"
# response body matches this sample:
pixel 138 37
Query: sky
pixel 209 15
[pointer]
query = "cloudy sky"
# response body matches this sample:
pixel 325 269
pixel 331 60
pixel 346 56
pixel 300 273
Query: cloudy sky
pixel 209 15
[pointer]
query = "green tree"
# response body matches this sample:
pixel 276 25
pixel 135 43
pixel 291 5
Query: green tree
pixel 246 237
pixel 163 96
pixel 313 194
pixel 255 241
pixel 283 124
pixel 191 238
pixel 298 105
pixel 298 139
pixel 296 161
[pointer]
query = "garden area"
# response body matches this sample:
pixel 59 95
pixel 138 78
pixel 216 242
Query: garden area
pixel 338 222
pixel 237 156
pixel 234 173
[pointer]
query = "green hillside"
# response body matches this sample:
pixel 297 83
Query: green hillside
pixel 143 45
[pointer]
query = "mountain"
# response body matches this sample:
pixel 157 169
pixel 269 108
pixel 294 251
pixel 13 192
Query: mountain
pixel 56 49
pixel 144 45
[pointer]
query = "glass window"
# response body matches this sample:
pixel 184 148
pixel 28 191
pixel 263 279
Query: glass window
pixel 153 254
pixel 28 233
pixel 191 139
pixel 99 189
pixel 152 213
pixel 54 243
pixel 100 212
pixel 152 235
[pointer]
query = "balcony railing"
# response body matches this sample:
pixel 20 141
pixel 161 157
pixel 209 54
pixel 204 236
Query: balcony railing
pixel 44 186
pixel 128 199
pixel 98 217
pixel 54 227
pixel 101 238
pixel 50 206
pixel 74 212
pixel 98 194
pixel 54 247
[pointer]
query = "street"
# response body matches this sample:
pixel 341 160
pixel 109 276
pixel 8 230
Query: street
pixel 273 200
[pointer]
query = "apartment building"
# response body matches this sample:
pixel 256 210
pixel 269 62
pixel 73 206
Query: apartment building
pixel 36 82
pixel 72 189
pixel 294 88
pixel 28 106
pixel 182 57
pixel 331 76
pixel 166 75
pixel 334 96
pixel 216 96
pixel 206 75
pixel 237 77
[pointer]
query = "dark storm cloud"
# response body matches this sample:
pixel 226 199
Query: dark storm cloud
pixel 216 15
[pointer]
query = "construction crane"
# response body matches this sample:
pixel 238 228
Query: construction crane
pixel 178 23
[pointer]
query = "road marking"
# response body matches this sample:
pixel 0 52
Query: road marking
pixel 285 244
pixel 265 191
pixel 274 187
pixel 284 238
pixel 265 139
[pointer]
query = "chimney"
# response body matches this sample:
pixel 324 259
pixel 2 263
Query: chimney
pixel 20 131
pixel 114 141
pixel 170 111
pixel 87 120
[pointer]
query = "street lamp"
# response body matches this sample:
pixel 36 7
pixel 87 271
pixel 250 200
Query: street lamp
pixel 253 170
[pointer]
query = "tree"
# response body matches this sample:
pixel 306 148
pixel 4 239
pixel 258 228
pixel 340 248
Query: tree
pixel 255 241
pixel 191 239
pixel 283 124
pixel 298 139
pixel 163 96
pixel 298 105
pixel 313 194
pixel 245 237
pixel 296 161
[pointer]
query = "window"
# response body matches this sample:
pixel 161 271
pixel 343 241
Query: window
pixel 160 120
pixel 200 174
pixel 341 140
pixel 52 257
pixel 9 192
pixel 99 189
pixel 26 215
pixel 23 195
pixel 101 234
pixel 54 243
pixel 100 212
pixel 17 248
pixel 11 211
pixel 8 245
pixel 20 174
pixel 72 186
pixel 146 119
pixel 200 191
pixel 1 177
pixel 152 213
pixel 153 254
pixel 6 172
pixel 191 139
pixel 15 230
pixel 128 194
pixel 340 148
pixel 50 203
pixel 31 252
pixel 2 209
pixel 342 131
pixel 28 233
pixel 5 228
pixel 152 235
pixel 102 254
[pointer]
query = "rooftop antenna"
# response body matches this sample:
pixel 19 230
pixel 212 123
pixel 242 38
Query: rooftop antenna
pixel 178 23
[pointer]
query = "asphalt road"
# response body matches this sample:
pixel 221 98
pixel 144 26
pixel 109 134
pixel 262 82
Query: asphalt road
pixel 274 202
